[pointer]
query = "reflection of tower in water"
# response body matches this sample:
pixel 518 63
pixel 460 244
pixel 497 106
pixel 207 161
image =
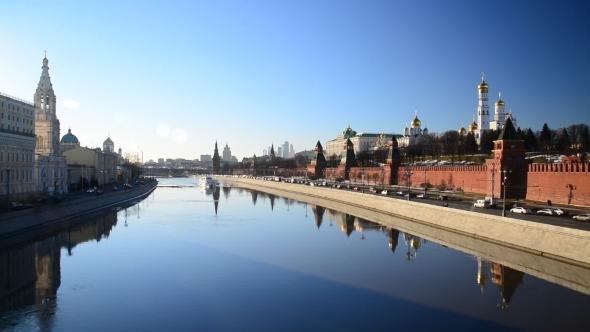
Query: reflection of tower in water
pixel 318 212
pixel 254 196
pixel 393 238
pixel 482 276
pixel 347 225
pixel 413 242
pixel 216 192
pixel 507 280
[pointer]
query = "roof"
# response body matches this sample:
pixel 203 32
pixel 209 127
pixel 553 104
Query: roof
pixel 508 132
pixel 69 138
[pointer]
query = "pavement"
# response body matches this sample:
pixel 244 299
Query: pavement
pixel 71 196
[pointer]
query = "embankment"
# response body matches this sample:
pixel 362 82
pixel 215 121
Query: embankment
pixel 50 215
pixel 561 244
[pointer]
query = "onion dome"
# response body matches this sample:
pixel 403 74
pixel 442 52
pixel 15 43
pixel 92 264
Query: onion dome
pixel 69 138
pixel 473 126
pixel 483 85
pixel 500 102
pixel 462 131
pixel 416 122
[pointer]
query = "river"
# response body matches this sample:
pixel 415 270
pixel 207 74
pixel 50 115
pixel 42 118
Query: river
pixel 184 259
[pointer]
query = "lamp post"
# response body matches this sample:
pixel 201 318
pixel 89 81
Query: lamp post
pixel 504 183
pixel 382 178
pixel 362 180
pixel 493 171
pixel 425 185
pixel 409 176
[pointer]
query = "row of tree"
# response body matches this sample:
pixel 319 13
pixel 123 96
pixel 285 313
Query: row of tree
pixel 566 141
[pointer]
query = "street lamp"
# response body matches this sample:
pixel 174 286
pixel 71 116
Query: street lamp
pixel 382 177
pixel 505 171
pixel 493 171
pixel 362 180
pixel 409 176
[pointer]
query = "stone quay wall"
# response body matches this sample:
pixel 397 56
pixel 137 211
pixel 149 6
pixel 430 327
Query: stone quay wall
pixel 18 222
pixel 562 244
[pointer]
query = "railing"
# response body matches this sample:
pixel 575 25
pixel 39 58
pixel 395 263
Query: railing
pixel 17 99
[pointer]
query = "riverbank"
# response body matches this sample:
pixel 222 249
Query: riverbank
pixel 51 215
pixel 571 246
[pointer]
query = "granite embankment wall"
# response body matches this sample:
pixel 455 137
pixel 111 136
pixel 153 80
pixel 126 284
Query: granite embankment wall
pixel 17 222
pixel 558 243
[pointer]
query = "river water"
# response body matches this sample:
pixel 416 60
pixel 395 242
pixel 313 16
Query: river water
pixel 184 259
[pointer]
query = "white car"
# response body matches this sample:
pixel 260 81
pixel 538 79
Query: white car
pixel 582 217
pixel 547 212
pixel 560 212
pixel 422 196
pixel 521 209
pixel 385 192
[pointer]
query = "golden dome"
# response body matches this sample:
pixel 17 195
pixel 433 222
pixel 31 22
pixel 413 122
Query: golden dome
pixel 462 131
pixel 500 102
pixel 483 85
pixel 416 122
pixel 473 127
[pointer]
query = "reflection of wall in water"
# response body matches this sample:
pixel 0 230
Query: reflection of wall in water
pixel 318 213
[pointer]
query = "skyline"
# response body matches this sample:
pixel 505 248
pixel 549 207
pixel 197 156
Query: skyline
pixel 169 80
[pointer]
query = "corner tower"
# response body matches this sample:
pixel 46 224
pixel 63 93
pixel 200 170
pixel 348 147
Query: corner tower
pixel 46 121
pixel 483 110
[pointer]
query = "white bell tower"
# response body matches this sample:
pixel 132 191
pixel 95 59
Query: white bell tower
pixel 483 110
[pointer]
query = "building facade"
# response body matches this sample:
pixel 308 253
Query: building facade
pixel 412 135
pixel 91 166
pixel 227 154
pixel 17 145
pixel 361 142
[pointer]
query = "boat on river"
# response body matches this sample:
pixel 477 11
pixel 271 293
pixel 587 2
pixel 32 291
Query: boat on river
pixel 206 182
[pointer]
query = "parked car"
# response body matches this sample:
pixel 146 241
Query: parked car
pixel 560 212
pixel 115 188
pixel 520 209
pixel 400 193
pixel 412 195
pixel 443 198
pixel 90 191
pixel 98 192
pixel 385 192
pixel 15 206
pixel 422 196
pixel 547 212
pixel 582 217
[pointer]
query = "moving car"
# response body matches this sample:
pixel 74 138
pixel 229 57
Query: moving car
pixel 547 212
pixel 560 212
pixel 412 195
pixel 443 198
pixel 400 193
pixel 422 196
pixel 481 203
pixel 521 209
pixel 582 217
pixel 385 192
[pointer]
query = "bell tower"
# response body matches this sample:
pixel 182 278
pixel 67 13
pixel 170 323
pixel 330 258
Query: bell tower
pixel 46 121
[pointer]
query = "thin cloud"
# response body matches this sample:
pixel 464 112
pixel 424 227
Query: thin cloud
pixel 70 103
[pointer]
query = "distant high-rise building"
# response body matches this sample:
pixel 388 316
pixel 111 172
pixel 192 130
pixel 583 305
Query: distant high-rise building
pixel 226 154
pixel 206 158
pixel 280 151
pixel 292 152
pixel 286 150
pixel 264 153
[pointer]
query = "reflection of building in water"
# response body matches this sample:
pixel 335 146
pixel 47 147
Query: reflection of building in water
pixel 95 230
pixel 482 276
pixel 346 223
pixel 362 225
pixel 272 201
pixel 318 212
pixel 393 238
pixel 413 242
pixel 507 280
pixel 216 192
pixel 31 274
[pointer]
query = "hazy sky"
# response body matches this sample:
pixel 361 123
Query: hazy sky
pixel 170 77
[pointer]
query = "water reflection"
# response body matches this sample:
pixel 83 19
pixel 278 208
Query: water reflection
pixel 31 273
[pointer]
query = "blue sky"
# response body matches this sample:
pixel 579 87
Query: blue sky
pixel 169 78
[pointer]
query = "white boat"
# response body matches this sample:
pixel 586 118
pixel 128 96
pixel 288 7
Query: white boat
pixel 206 182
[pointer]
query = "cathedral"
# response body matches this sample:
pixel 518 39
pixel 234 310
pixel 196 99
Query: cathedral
pixel 483 113
pixel 412 134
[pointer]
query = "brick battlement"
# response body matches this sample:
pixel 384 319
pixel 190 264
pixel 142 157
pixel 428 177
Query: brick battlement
pixel 559 168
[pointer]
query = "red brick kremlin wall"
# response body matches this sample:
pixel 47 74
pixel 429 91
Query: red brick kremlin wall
pixel 472 179
pixel 559 183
